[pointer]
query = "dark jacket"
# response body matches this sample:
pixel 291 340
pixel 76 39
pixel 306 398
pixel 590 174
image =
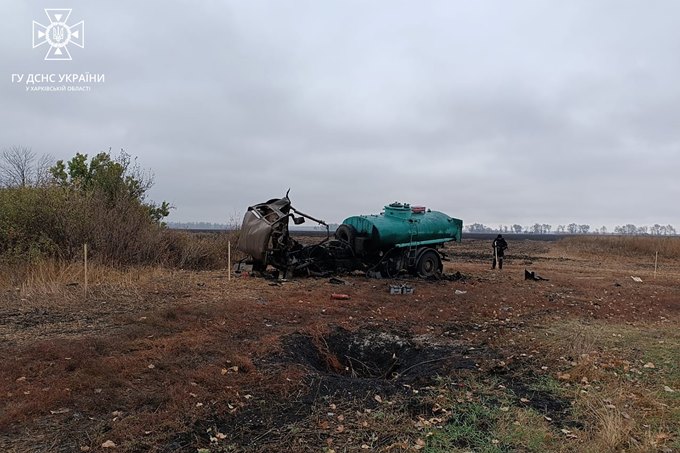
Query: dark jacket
pixel 500 245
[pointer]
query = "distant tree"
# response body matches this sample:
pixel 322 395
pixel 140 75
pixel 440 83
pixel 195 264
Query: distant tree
pixel 572 228
pixel 655 229
pixel 546 228
pixel 536 228
pixel 603 230
pixel 21 167
pixel 561 228
pixel 479 228
pixel 517 228
pixel 584 229
pixel 626 229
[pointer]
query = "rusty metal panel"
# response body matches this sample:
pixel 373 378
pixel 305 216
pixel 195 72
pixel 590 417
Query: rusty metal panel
pixel 254 237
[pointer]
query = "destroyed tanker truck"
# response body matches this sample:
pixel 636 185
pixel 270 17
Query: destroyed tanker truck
pixel 402 239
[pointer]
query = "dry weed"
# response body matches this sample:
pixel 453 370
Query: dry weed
pixel 64 282
pixel 581 341
pixel 613 430
pixel 623 246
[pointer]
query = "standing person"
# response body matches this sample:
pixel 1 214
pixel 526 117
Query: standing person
pixel 499 246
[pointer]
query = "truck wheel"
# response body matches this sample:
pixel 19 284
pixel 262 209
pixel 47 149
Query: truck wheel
pixel 346 233
pixel 429 264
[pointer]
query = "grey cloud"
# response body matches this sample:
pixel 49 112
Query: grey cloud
pixel 495 112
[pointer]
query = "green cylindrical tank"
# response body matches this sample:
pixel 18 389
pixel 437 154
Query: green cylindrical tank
pixel 402 225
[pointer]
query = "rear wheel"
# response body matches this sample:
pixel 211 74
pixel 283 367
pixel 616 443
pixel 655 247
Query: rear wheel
pixel 346 233
pixel 429 264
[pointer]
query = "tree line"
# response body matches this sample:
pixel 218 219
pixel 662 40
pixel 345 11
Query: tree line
pixel 197 225
pixel 574 228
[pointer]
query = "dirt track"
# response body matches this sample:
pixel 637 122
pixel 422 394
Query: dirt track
pixel 185 360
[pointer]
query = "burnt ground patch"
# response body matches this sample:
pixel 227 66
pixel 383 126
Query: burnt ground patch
pixel 350 361
pixel 26 318
pixel 388 362
pixel 538 392
pixel 545 402
pixel 257 427
pixel 340 364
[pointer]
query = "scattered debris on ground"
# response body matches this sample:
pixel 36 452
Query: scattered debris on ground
pixel 188 361
pixel 530 275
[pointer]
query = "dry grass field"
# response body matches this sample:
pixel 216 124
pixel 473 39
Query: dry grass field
pixel 165 360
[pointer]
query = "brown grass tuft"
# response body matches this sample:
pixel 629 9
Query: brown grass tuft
pixel 65 278
pixel 198 251
pixel 581 341
pixel 623 246
pixel 613 430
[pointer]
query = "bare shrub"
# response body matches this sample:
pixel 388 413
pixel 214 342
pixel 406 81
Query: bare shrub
pixel 21 167
pixel 197 250
pixel 54 222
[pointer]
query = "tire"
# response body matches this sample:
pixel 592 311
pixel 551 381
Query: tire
pixel 347 234
pixel 429 264
pixel 392 263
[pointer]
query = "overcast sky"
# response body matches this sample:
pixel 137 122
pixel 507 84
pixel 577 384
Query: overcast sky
pixel 497 112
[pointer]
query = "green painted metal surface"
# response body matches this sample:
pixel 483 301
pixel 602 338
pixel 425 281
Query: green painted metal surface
pixel 401 225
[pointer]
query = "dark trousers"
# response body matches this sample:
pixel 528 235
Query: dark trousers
pixel 500 261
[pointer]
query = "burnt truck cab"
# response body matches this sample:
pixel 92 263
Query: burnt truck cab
pixel 264 233
pixel 265 237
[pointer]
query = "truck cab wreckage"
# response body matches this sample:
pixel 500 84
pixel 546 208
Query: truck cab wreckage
pixel 401 239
